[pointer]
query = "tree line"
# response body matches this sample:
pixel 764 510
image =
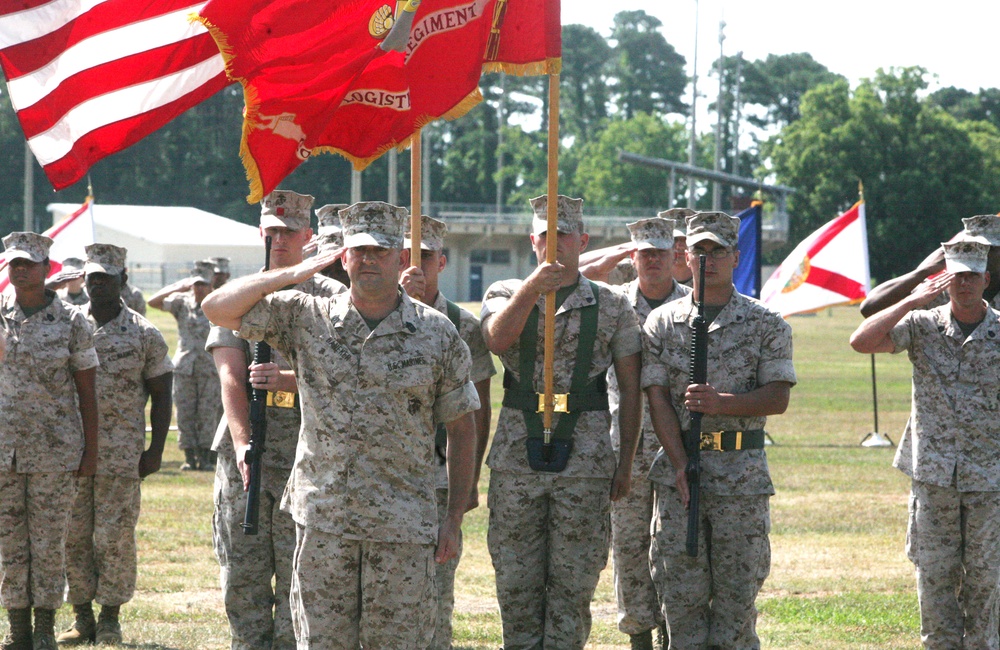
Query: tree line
pixel 925 159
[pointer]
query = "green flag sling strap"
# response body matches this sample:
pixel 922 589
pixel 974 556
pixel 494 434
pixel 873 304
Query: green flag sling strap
pixel 441 435
pixel 584 395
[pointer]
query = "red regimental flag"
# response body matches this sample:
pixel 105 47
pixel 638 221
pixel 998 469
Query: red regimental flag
pixel 526 39
pixel 296 60
pixel 89 78
pixel 437 76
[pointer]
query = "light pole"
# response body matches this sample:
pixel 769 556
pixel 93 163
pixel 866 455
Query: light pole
pixel 716 186
pixel 694 100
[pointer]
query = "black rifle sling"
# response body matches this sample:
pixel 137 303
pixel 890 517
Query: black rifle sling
pixel 441 434
pixel 579 383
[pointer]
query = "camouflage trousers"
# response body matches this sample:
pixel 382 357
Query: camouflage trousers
pixel 709 600
pixel 100 546
pixel 348 593
pixel 953 540
pixel 259 614
pixel 198 400
pixel 444 578
pixel 548 538
pixel 631 518
pixel 34 518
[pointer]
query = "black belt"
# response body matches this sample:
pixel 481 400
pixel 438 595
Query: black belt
pixel 732 440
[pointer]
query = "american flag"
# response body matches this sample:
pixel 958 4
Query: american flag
pixel 88 78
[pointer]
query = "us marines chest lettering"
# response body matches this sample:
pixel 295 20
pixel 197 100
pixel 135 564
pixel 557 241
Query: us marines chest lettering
pixel 406 363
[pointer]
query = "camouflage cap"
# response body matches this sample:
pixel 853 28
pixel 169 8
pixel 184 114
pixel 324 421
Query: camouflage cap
pixel 285 209
pixel 984 228
pixel 203 270
pixel 432 234
pixel 715 226
pixel 965 255
pixel 26 245
pixel 104 258
pixel 653 233
pixel 678 215
pixel 328 217
pixel 569 213
pixel 330 242
pixel 374 223
pixel 73 264
pixel 221 264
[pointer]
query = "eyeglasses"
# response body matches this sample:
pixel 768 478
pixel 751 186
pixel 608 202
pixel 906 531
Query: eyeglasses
pixel 715 253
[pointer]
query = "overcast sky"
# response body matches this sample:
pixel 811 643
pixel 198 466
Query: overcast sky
pixel 957 40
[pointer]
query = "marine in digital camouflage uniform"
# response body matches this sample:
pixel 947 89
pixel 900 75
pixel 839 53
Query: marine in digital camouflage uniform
pixel 421 283
pixel 259 615
pixel 68 283
pixel 330 237
pixel 549 531
pixel 631 517
pixel 135 366
pixel 220 271
pixel 197 395
pixel 708 600
pixel 133 298
pixel 952 447
pixel 376 374
pixel 48 431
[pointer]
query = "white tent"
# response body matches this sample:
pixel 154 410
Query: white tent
pixel 163 241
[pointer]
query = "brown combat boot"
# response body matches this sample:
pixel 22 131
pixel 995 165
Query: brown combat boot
pixel 109 630
pixel 642 641
pixel 44 637
pixel 190 460
pixel 83 628
pixel 19 635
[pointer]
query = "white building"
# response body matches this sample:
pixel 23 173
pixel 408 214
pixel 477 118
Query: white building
pixel 164 241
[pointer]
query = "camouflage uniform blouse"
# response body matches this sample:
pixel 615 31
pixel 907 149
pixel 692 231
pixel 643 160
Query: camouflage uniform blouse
pixel 649 444
pixel 749 346
pixel 40 425
pixel 131 350
pixel 482 359
pixel 364 466
pixel 282 423
pixel 953 438
pixel 617 337
pixel 192 332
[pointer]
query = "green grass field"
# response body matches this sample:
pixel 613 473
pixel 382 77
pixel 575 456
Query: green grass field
pixel 839 576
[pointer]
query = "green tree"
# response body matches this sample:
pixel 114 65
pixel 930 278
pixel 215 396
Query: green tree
pixel 647 72
pixel 584 85
pixel 921 168
pixel 603 180
pixel 778 83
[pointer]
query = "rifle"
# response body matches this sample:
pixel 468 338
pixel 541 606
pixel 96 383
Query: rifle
pixel 258 426
pixel 692 443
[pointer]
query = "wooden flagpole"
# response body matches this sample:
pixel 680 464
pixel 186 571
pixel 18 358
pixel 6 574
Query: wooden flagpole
pixel 415 207
pixel 551 239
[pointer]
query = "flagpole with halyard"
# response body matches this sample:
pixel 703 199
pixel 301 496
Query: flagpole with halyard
pixel 551 240
pixel 415 207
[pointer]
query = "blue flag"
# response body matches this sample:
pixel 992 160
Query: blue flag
pixel 747 274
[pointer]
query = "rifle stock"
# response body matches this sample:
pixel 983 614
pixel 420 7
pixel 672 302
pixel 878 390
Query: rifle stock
pixel 698 375
pixel 258 427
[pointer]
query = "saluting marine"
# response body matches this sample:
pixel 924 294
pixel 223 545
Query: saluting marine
pixel 259 615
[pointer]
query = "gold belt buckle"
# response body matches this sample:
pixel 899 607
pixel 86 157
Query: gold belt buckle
pixel 711 441
pixel 281 399
pixel 560 402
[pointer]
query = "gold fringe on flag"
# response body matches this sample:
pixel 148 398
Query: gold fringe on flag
pixel 548 66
